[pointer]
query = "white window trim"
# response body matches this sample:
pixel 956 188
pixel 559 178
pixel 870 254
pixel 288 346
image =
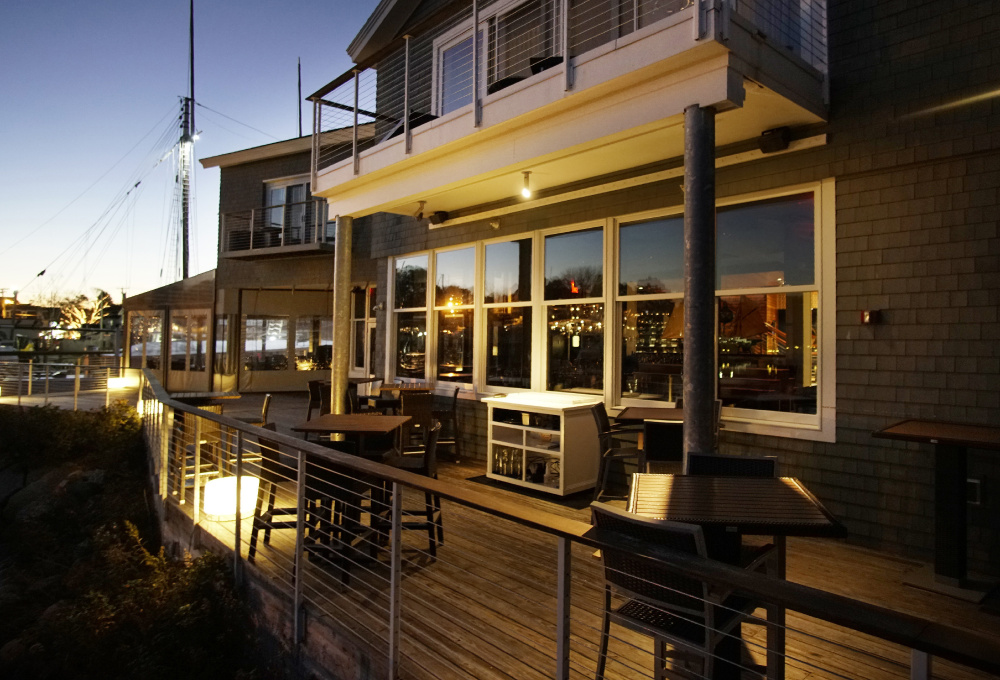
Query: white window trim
pixel 816 427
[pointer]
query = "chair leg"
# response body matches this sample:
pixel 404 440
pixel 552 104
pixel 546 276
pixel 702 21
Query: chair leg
pixel 270 510
pixel 602 654
pixel 257 520
pixel 440 520
pixel 431 532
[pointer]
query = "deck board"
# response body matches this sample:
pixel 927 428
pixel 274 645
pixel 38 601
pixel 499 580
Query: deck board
pixel 463 617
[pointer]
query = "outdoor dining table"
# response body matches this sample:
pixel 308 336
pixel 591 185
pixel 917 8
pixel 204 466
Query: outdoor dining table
pixel 951 444
pixel 347 489
pixel 728 508
pixel 638 414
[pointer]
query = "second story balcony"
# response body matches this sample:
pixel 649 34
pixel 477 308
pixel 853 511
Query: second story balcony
pixel 568 90
pixel 277 230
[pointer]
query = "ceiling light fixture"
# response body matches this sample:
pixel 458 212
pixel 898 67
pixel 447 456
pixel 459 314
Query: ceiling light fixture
pixel 526 191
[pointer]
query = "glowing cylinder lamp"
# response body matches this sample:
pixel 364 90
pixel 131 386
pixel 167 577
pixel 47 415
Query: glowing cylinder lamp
pixel 220 497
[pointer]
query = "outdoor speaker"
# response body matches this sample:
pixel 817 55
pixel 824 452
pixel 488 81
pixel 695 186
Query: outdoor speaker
pixel 438 217
pixel 775 140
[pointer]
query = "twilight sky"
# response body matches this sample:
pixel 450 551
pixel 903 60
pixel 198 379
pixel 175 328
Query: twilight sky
pixel 90 102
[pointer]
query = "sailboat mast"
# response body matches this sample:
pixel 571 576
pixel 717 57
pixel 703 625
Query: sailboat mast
pixel 187 151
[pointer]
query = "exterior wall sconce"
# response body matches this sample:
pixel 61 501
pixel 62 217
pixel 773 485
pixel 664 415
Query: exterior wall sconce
pixel 526 191
pixel 871 316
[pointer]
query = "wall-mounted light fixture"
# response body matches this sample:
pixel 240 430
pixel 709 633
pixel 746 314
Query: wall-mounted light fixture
pixel 526 191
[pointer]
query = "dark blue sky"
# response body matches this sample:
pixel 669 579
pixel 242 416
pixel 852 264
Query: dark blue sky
pixel 86 85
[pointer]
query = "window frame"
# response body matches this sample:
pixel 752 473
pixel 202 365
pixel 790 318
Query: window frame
pixel 463 30
pixel 820 426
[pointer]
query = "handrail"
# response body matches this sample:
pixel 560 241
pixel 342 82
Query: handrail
pixel 940 640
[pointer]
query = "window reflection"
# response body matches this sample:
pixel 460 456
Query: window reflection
pixel 313 343
pixel 767 351
pixel 411 336
pixel 454 358
pixel 652 349
pixel 265 346
pixel 508 347
pixel 145 341
pixel 455 272
pixel 574 265
pixel 651 257
pixel 767 243
pixel 576 347
pixel 508 272
pixel 411 282
pixel 178 342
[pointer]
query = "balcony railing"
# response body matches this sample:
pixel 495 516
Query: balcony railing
pixel 507 590
pixel 434 69
pixel 292 224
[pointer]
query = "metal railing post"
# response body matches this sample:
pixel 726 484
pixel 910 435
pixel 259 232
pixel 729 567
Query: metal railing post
pixel 47 383
pixel 564 28
pixel 477 110
pixel 314 164
pixel 298 623
pixel 107 387
pixel 395 578
pixel 166 426
pixel 196 510
pixel 31 374
pixel 20 371
pixel 354 139
pixel 562 607
pixel 920 665
pixel 76 384
pixel 237 538
pixel 406 95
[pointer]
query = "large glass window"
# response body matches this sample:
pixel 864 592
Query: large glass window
pixel 507 294
pixel 265 345
pixel 454 295
pixel 146 337
pixel 456 76
pixel 313 343
pixel 410 293
pixel 574 265
pixel 651 308
pixel 768 346
pixel 574 270
pixel 178 342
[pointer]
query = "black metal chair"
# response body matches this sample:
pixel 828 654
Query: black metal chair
pixel 261 420
pixel 662 446
pixel 273 473
pixel 449 425
pixel 419 406
pixel 424 463
pixel 690 615
pixel 618 457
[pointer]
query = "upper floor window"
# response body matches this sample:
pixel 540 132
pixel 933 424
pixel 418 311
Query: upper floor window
pixel 520 40
pixel 289 213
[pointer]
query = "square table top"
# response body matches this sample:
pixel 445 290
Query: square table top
pixel 767 506
pixel 637 413
pixel 940 432
pixel 351 423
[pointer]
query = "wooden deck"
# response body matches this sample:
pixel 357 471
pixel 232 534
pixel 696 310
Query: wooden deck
pixel 485 607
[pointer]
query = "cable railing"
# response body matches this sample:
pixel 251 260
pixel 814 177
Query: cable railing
pixel 289 224
pixel 33 381
pixel 438 68
pixel 490 588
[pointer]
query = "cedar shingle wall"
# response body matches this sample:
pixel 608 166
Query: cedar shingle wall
pixel 916 237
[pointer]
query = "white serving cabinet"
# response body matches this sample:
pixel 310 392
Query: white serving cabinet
pixel 544 441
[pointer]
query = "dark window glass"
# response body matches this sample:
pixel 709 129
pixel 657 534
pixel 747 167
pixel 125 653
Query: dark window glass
pixel 767 351
pixel 574 265
pixel 651 257
pixel 508 272
pixel 508 346
pixel 454 275
pixel 411 336
pixel 652 349
pixel 455 345
pixel 576 347
pixel 411 282
pixel 767 243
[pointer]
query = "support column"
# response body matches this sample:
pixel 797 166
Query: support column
pixel 699 280
pixel 341 314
